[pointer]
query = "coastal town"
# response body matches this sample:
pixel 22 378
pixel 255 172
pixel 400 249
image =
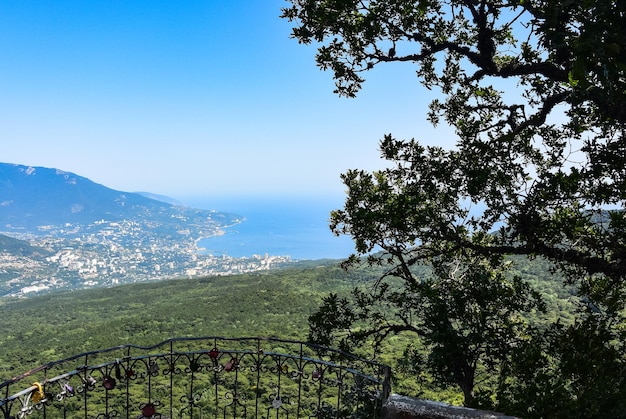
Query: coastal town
pixel 112 253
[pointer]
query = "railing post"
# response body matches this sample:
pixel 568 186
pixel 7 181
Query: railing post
pixel 386 383
pixel 171 363
pixel 5 408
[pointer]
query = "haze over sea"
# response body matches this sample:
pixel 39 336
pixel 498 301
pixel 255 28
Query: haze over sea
pixel 285 226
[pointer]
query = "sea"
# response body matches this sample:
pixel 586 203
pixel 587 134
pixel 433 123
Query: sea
pixel 277 226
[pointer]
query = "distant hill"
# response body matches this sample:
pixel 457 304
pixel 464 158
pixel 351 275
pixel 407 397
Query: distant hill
pixel 36 196
pixel 161 198
pixel 32 197
pixel 17 247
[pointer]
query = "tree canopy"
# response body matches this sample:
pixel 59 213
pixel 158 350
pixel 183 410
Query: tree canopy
pixel 536 93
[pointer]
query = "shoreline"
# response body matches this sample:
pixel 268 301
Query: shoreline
pixel 219 232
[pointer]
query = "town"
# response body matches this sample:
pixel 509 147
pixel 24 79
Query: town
pixel 112 253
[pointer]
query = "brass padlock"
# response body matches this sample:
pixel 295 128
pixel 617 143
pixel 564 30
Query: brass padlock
pixel 38 395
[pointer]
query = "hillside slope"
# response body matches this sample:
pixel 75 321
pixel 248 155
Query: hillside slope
pixel 49 327
pixel 36 197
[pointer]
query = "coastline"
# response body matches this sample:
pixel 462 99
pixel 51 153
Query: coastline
pixel 293 227
pixel 219 232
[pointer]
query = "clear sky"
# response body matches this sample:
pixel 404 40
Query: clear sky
pixel 189 98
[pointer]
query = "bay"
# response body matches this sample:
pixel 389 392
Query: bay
pixel 276 226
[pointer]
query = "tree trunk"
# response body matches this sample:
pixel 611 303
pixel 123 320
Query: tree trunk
pixel 468 394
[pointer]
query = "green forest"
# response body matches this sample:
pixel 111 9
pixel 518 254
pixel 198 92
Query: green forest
pixel 278 303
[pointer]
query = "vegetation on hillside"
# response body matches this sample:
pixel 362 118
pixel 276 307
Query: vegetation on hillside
pixel 51 327
pixel 18 247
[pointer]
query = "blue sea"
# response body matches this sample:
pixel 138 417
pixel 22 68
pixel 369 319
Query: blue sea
pixel 295 227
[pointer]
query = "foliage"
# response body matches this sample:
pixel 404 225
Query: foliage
pixel 54 326
pixel 536 93
pixel 45 328
pixel 467 333
pixel 592 380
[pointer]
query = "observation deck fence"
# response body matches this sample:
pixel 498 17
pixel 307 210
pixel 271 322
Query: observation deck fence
pixel 204 377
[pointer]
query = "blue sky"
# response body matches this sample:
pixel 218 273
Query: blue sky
pixel 191 98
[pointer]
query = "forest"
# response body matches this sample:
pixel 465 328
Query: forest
pixel 278 303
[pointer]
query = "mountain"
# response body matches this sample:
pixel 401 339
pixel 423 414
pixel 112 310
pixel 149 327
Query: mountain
pixel 45 201
pixel 31 197
pixel 161 198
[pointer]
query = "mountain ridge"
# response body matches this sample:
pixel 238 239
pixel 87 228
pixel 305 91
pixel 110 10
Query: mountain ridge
pixel 33 196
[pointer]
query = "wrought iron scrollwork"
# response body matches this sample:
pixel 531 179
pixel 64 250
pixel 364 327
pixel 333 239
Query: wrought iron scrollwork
pixel 201 377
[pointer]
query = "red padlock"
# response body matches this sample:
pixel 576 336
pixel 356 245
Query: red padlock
pixel 108 383
pixel 148 410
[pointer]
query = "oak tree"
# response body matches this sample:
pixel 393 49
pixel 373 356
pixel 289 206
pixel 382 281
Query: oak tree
pixel 536 93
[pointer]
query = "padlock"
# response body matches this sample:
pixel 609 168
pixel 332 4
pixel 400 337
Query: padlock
pixel 38 395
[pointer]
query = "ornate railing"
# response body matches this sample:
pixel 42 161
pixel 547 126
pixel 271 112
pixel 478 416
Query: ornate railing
pixel 209 377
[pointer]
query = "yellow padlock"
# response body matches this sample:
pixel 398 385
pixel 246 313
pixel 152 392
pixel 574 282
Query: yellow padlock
pixel 38 395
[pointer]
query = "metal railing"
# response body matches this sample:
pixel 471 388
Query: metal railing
pixel 208 377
